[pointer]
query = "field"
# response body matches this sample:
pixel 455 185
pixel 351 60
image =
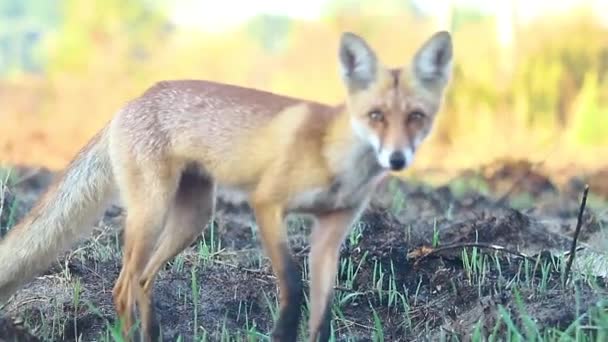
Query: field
pixel 406 272
pixel 469 244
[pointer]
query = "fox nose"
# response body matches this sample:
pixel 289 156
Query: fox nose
pixel 397 161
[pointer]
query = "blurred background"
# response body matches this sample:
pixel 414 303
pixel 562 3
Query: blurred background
pixel 530 76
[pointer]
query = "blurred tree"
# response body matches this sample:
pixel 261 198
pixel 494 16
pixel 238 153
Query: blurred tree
pixel 271 31
pixel 590 122
pixel 88 29
pixel 366 7
pixel 442 12
pixel 22 25
pixel 43 12
pixel 506 28
pixel 364 16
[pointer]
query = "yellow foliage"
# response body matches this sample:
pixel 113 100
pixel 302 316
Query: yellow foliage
pixel 529 110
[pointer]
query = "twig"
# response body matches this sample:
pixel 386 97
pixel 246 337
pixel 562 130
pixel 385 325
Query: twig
pixel 579 224
pixel 473 244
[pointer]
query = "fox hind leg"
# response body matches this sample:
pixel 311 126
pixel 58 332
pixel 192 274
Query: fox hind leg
pixel 148 193
pixel 192 208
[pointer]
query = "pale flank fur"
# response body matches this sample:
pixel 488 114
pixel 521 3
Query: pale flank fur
pixel 64 214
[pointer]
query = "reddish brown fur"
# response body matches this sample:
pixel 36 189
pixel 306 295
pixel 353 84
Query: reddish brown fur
pixel 172 148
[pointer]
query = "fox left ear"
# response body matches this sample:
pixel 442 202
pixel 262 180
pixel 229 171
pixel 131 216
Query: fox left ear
pixel 357 62
pixel 433 61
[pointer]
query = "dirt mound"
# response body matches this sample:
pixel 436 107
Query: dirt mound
pixel 10 332
pixel 517 176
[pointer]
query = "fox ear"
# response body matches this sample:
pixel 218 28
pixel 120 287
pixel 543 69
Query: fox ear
pixel 357 62
pixel 433 61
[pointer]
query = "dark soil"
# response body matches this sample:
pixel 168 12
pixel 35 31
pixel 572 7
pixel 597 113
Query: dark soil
pixel 236 284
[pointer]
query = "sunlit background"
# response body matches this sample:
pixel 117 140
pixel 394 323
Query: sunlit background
pixel 530 76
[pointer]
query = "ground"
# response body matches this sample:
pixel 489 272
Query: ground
pixel 404 273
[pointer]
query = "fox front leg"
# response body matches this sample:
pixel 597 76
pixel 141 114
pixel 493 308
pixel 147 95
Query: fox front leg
pixel 326 239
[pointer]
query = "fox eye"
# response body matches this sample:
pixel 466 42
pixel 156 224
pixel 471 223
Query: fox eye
pixel 376 115
pixel 415 116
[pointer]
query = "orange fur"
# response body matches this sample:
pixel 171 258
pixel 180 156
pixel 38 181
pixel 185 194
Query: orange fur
pixel 170 150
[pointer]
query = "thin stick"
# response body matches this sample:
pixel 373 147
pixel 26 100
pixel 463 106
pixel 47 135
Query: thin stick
pixel 475 244
pixel 579 224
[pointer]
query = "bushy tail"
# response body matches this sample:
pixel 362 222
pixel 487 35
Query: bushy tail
pixel 66 212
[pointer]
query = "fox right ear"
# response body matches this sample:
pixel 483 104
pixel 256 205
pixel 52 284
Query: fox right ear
pixel 433 61
pixel 357 62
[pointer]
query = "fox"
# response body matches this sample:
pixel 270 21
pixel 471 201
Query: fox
pixel 169 152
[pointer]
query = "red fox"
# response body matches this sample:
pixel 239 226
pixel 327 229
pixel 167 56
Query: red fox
pixel 169 151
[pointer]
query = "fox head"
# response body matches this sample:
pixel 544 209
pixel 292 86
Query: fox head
pixel 393 109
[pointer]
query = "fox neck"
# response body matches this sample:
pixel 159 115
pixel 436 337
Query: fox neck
pixel 346 151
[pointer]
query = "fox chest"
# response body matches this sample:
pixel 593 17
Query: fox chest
pixel 348 190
